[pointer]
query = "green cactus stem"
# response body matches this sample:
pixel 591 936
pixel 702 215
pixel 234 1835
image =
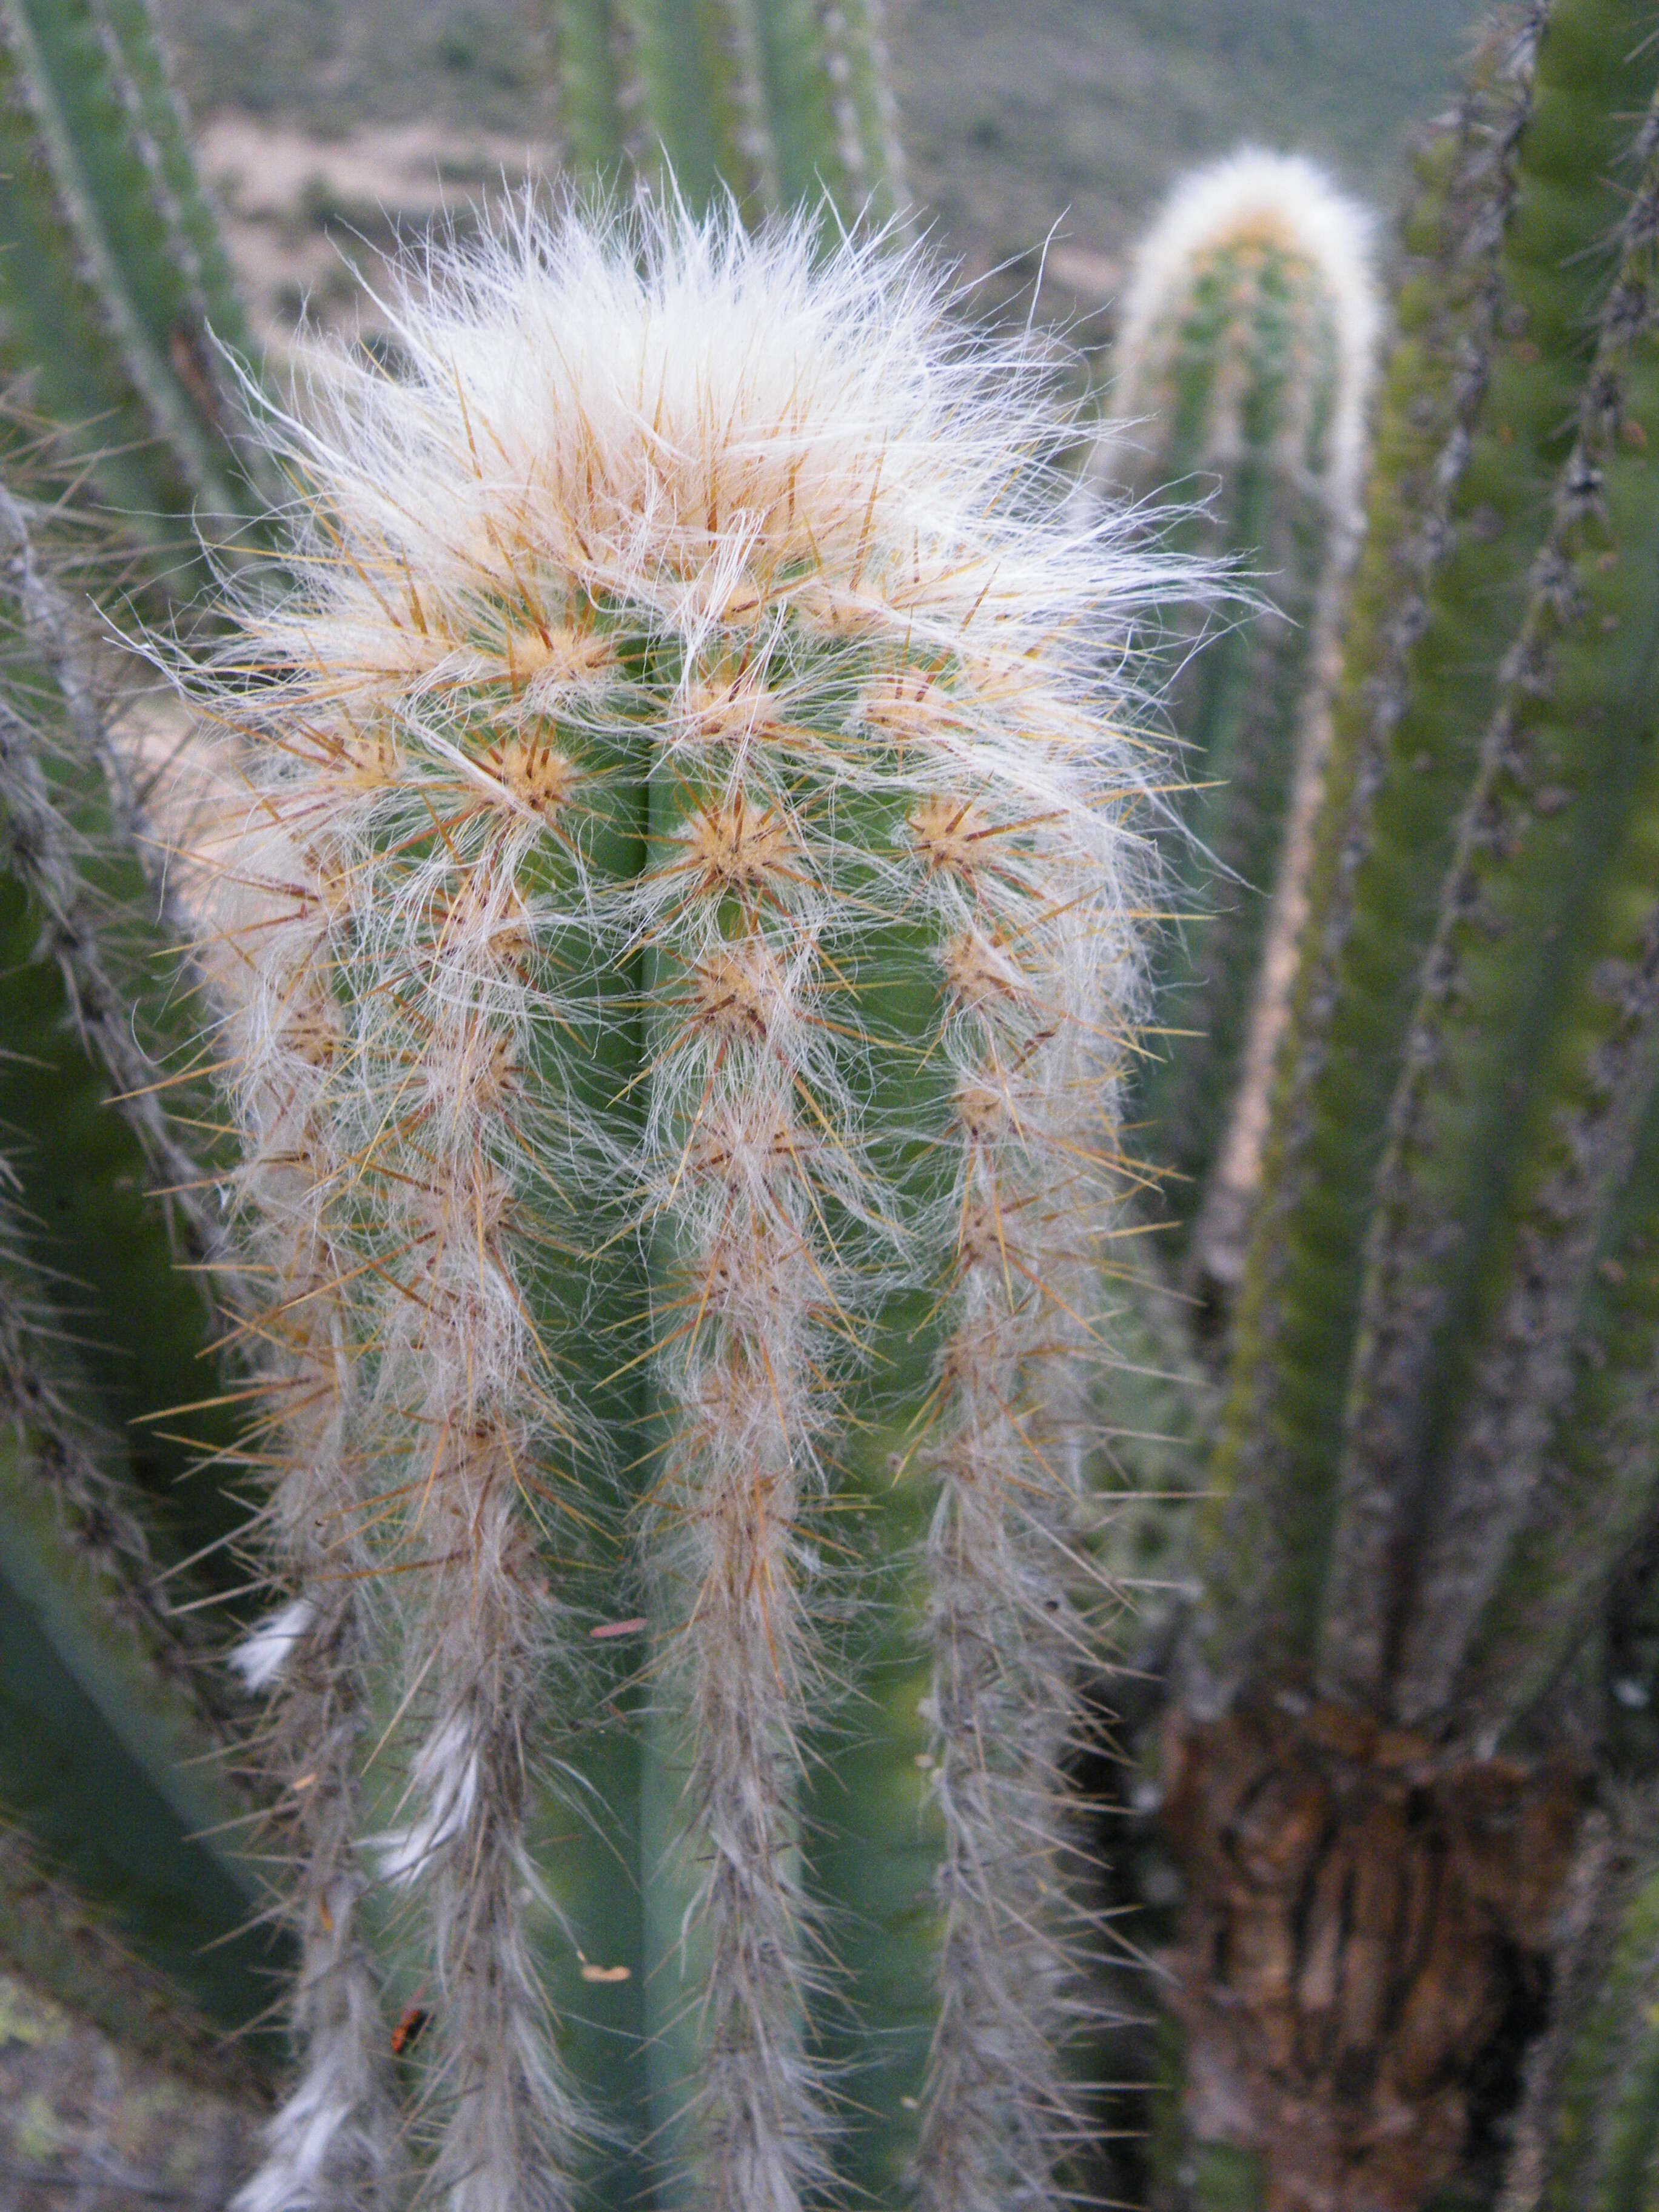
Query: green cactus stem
pixel 113 286
pixel 1532 1063
pixel 108 1691
pixel 673 909
pixel 1478 418
pixel 1594 1493
pixel 106 1763
pixel 1241 373
pixel 781 103
pixel 52 1940
pixel 1588 2140
pixel 96 1006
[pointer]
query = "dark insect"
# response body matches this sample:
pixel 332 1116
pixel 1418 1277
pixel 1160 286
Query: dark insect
pixel 408 2029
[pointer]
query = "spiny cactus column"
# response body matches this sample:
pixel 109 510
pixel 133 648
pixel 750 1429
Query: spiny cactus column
pixel 1241 376
pixel 97 1008
pixel 1548 940
pixel 677 901
pixel 1441 591
pixel 113 285
pixel 1422 1533
pixel 779 102
pixel 113 1737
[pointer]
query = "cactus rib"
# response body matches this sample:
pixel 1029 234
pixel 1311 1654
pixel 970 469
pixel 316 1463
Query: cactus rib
pixel 42 837
pixel 97 155
pixel 776 102
pixel 1595 1490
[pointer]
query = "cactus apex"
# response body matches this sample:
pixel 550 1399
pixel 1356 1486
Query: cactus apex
pixel 1289 202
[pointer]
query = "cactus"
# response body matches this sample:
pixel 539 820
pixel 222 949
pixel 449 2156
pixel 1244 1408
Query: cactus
pixel 666 916
pixel 115 289
pixel 1437 1444
pixel 780 103
pixel 115 1748
pixel 1241 376
pixel 671 903
pixel 1434 616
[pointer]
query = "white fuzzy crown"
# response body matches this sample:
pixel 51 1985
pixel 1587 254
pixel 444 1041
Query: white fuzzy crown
pixel 1292 202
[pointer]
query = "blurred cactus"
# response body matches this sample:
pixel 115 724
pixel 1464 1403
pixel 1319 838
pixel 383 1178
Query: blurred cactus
pixel 114 286
pixel 117 1755
pixel 1242 373
pixel 114 1748
pixel 781 103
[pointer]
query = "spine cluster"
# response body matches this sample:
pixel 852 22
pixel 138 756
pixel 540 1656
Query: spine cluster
pixel 678 862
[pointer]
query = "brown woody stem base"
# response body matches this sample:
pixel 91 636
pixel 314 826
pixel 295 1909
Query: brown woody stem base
pixel 1364 1920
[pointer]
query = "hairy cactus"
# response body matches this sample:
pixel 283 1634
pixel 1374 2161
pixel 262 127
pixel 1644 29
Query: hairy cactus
pixel 1240 380
pixel 672 904
pixel 778 103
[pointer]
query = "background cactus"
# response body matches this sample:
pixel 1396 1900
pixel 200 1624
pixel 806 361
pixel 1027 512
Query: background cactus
pixel 781 103
pixel 115 289
pixel 115 1755
pixel 1242 371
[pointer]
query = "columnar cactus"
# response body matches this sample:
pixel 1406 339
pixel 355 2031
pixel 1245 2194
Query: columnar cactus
pixel 1240 380
pixel 113 285
pixel 113 1738
pixel 1438 1440
pixel 780 103
pixel 673 898
pixel 1442 590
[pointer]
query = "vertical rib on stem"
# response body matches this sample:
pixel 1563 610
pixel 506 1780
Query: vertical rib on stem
pixel 331 2140
pixel 466 1414
pixel 1033 1101
pixel 742 1465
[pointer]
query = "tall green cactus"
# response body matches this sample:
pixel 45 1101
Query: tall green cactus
pixel 113 285
pixel 673 905
pixel 1438 1439
pixel 1241 376
pixel 1438 602
pixel 781 103
pixel 115 1746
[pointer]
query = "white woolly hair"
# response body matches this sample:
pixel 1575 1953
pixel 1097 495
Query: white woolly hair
pixel 752 517
pixel 1291 201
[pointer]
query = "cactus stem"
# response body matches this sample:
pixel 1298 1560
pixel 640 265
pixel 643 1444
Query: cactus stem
pixel 48 855
pixel 711 880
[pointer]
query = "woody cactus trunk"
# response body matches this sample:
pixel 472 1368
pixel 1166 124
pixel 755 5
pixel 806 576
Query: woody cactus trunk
pixel 1434 1467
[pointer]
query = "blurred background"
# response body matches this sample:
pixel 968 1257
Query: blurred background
pixel 329 127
